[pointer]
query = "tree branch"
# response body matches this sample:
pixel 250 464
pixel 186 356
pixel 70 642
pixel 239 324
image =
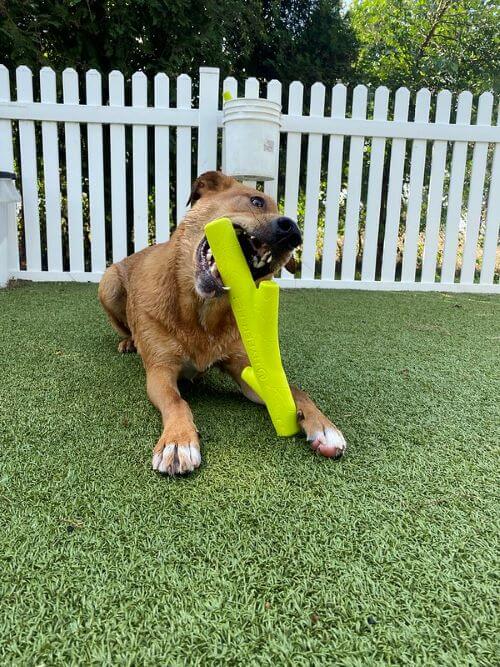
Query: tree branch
pixel 443 7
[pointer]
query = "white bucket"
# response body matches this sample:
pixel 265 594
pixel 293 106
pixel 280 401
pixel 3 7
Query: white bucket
pixel 251 138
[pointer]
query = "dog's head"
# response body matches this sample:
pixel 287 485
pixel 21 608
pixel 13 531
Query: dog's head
pixel 267 238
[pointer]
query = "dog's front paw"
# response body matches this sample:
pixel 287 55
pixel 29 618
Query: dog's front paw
pixel 172 458
pixel 325 437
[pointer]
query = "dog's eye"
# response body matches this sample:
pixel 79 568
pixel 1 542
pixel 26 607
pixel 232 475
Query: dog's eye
pixel 257 201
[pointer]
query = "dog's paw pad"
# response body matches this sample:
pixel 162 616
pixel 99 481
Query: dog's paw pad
pixel 177 459
pixel 328 442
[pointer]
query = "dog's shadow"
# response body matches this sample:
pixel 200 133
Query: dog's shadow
pixel 216 398
pixel 212 388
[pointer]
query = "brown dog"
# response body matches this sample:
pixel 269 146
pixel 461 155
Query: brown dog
pixel 169 303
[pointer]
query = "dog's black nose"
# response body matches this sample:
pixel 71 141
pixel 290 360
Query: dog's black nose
pixel 285 233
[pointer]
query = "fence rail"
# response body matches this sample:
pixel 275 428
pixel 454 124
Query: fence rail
pixel 392 193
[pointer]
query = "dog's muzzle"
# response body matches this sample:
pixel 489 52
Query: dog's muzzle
pixel 265 251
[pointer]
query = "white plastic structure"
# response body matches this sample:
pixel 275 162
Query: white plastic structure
pixel 9 198
pixel 251 138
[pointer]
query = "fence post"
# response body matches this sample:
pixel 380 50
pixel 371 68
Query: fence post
pixel 207 132
pixel 29 173
pixel 183 149
pixel 7 163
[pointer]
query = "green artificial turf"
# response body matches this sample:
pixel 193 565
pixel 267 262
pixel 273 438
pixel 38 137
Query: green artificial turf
pixel 269 554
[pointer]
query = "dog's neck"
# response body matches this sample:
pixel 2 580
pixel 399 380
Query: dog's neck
pixel 214 314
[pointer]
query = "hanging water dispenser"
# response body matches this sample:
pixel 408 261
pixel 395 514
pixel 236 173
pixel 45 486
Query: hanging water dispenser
pixel 9 194
pixel 251 138
pixel 9 198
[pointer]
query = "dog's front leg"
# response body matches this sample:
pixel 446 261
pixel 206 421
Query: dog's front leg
pixel 323 435
pixel 178 449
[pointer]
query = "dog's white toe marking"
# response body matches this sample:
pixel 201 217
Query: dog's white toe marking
pixel 335 438
pixel 157 460
pixel 194 454
pixel 177 459
pixel 329 442
pixel 167 456
pixel 188 458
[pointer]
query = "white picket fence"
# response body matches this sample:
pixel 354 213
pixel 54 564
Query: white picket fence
pixel 452 212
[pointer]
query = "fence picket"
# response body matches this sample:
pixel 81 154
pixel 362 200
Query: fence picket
pixel 29 177
pixel 374 189
pixel 474 205
pixel 50 152
pixel 73 174
pixel 207 131
pixel 436 183
pixel 7 164
pixel 395 190
pixel 162 162
pixel 492 220
pixel 96 176
pixel 417 169
pixel 252 88
pixel 118 172
pixel 293 146
pixel 229 85
pixel 354 187
pixel 183 156
pixel 6 146
pixel 454 209
pixel 313 183
pixel 274 94
pixel 334 186
pixel 140 163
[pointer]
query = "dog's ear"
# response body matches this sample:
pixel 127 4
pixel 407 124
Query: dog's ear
pixel 210 181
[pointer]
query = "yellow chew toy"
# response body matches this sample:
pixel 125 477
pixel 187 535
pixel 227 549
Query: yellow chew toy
pixel 256 313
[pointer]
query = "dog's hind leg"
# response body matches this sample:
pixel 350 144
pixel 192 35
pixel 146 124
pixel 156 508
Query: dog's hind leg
pixel 233 366
pixel 113 297
pixel 126 346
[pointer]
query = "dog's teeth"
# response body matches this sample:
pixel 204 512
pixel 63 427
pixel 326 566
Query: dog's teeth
pixel 258 263
pixel 267 257
pixel 209 254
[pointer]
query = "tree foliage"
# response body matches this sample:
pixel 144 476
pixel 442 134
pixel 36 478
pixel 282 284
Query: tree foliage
pixel 287 39
pixel 435 43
